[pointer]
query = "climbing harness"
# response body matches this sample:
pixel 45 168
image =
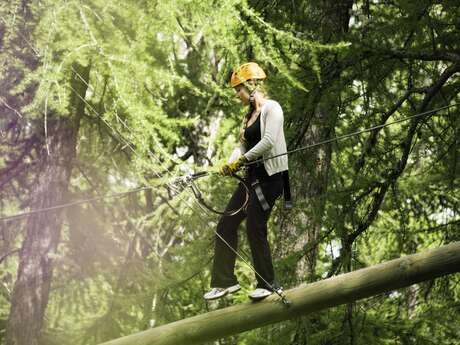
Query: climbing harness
pixel 189 180
pixel 260 195
pixel 288 203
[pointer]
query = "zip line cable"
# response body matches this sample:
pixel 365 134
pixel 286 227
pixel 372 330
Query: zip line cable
pixel 279 292
pixel 173 187
pixel 127 143
pixel 74 203
pixel 345 136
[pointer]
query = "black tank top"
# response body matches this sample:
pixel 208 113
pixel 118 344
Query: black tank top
pixel 252 134
pixel 252 137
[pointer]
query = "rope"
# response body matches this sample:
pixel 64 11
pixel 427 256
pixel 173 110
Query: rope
pixel 349 135
pixel 73 203
pixel 172 185
pixel 227 213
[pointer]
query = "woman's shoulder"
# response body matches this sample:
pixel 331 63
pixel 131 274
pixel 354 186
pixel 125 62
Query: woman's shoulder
pixel 272 106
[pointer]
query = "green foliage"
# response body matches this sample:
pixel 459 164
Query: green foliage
pixel 158 105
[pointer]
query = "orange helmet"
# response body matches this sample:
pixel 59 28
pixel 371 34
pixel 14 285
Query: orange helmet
pixel 245 72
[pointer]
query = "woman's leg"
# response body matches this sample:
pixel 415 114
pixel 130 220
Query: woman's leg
pixel 224 258
pixel 256 228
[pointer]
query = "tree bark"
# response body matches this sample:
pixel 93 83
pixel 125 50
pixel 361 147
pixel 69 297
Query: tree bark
pixel 31 290
pixel 331 292
pixel 32 287
pixel 311 170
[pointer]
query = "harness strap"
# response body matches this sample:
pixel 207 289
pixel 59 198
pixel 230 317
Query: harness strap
pixel 288 203
pixel 260 195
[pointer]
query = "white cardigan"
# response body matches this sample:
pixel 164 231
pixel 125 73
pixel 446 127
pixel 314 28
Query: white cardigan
pixel 272 140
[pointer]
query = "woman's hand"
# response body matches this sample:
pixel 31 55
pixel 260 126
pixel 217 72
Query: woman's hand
pixel 233 167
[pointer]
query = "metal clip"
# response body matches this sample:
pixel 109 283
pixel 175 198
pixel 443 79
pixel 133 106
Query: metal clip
pixel 280 292
pixel 182 182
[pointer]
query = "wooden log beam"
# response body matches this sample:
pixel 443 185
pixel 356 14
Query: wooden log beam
pixel 305 299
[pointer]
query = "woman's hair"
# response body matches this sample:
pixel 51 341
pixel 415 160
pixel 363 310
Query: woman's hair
pixel 256 85
pixel 254 104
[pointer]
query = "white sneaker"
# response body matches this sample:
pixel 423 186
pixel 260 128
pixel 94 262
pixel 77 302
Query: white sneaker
pixel 220 292
pixel 259 293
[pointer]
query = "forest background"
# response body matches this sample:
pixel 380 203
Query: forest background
pixel 99 97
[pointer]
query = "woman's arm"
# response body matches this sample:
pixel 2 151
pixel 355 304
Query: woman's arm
pixel 273 124
pixel 237 152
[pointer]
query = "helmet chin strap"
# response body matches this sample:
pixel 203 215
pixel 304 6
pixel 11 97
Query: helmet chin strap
pixel 252 98
pixel 252 86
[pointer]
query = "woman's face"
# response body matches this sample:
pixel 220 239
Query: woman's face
pixel 242 93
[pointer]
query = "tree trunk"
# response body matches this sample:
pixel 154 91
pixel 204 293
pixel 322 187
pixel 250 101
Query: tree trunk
pixel 311 170
pixel 331 292
pixel 31 290
pixel 313 165
pixel 32 287
pixel 310 184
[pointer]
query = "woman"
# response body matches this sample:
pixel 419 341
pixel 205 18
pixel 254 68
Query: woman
pixel 262 137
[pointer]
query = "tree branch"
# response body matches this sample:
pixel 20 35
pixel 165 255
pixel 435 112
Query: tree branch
pixel 3 257
pixel 423 56
pixel 398 169
pixel 395 172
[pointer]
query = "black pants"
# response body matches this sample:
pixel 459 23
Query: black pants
pixel 256 229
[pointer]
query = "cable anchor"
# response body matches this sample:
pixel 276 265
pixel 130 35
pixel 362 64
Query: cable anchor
pixel 280 292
